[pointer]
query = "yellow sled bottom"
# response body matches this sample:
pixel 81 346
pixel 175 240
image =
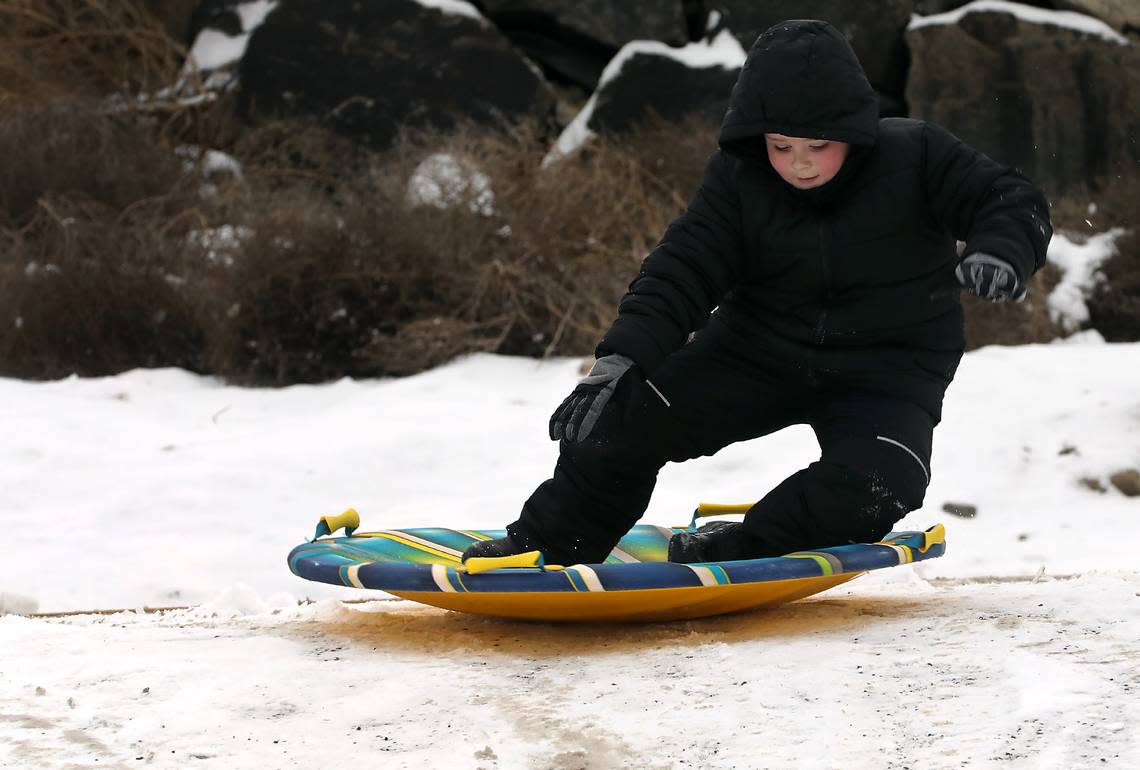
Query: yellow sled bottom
pixel 636 605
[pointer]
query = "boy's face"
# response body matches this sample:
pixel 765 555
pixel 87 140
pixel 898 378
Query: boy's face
pixel 805 163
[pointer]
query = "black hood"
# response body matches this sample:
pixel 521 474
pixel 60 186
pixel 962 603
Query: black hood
pixel 801 79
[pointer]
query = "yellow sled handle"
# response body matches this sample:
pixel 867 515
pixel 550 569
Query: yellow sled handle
pixel 718 509
pixel 478 564
pixel 350 520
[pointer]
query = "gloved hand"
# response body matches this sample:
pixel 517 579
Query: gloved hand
pixel 989 277
pixel 576 417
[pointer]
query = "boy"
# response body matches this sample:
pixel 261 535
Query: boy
pixel 817 264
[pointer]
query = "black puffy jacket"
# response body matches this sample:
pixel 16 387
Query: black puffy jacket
pixel 854 279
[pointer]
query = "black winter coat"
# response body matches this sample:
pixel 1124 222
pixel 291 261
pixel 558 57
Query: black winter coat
pixel 853 280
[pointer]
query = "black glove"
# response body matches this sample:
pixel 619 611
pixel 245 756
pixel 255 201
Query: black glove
pixel 989 277
pixel 576 417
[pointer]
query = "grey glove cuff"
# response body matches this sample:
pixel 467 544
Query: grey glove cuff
pixel 607 369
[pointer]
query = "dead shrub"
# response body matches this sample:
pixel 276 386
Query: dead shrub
pixel 93 216
pixel 86 292
pixel 340 274
pixel 1114 306
pixel 79 152
pixel 1013 323
pixel 52 50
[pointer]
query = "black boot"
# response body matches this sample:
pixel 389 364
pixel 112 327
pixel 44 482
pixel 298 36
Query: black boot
pixel 717 541
pixel 492 549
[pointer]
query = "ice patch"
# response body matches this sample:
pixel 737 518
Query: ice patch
pixel 1078 22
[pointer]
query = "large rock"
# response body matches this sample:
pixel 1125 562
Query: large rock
pixel 175 16
pixel 610 23
pixel 564 55
pixel 1124 15
pixel 1058 98
pixel 648 78
pixel 875 30
pixel 370 68
pixel 930 7
pixel 573 41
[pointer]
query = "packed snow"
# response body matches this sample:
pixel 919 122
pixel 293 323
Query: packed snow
pixel 1078 22
pixel 160 488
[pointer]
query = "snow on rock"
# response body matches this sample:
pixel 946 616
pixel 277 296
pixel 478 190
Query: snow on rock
pixel 213 164
pixel 1079 264
pixel 444 181
pixel 214 49
pixel 1086 25
pixel 455 7
pixel 723 50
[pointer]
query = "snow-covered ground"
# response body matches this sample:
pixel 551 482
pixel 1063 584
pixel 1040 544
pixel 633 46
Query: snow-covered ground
pixel 1021 645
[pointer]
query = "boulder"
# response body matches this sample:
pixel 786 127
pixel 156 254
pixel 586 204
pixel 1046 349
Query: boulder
pixel 1054 94
pixel 1124 15
pixel 221 15
pixel 1127 481
pixel 604 21
pixel 875 30
pixel 565 56
pixel 573 41
pixel 369 69
pixel 175 17
pixel 220 31
pixel 650 78
pixel 930 7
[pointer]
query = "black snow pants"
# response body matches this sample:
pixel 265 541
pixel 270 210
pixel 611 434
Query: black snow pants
pixel 874 465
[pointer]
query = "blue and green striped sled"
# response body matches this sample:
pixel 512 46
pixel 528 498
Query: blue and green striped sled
pixel 635 583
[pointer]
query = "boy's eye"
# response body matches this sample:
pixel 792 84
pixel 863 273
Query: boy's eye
pixel 782 148
pixel 819 146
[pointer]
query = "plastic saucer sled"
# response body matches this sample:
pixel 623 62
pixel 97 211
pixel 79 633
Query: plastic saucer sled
pixel 634 583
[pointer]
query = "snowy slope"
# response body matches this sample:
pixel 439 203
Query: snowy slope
pixel 159 487
pixel 1018 648
pixel 887 672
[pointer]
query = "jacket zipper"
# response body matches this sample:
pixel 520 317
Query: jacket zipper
pixel 825 269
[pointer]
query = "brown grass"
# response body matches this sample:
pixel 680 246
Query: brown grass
pixel 335 272
pixel 110 256
pixel 343 276
pixel 1012 323
pixel 93 218
pixel 52 50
